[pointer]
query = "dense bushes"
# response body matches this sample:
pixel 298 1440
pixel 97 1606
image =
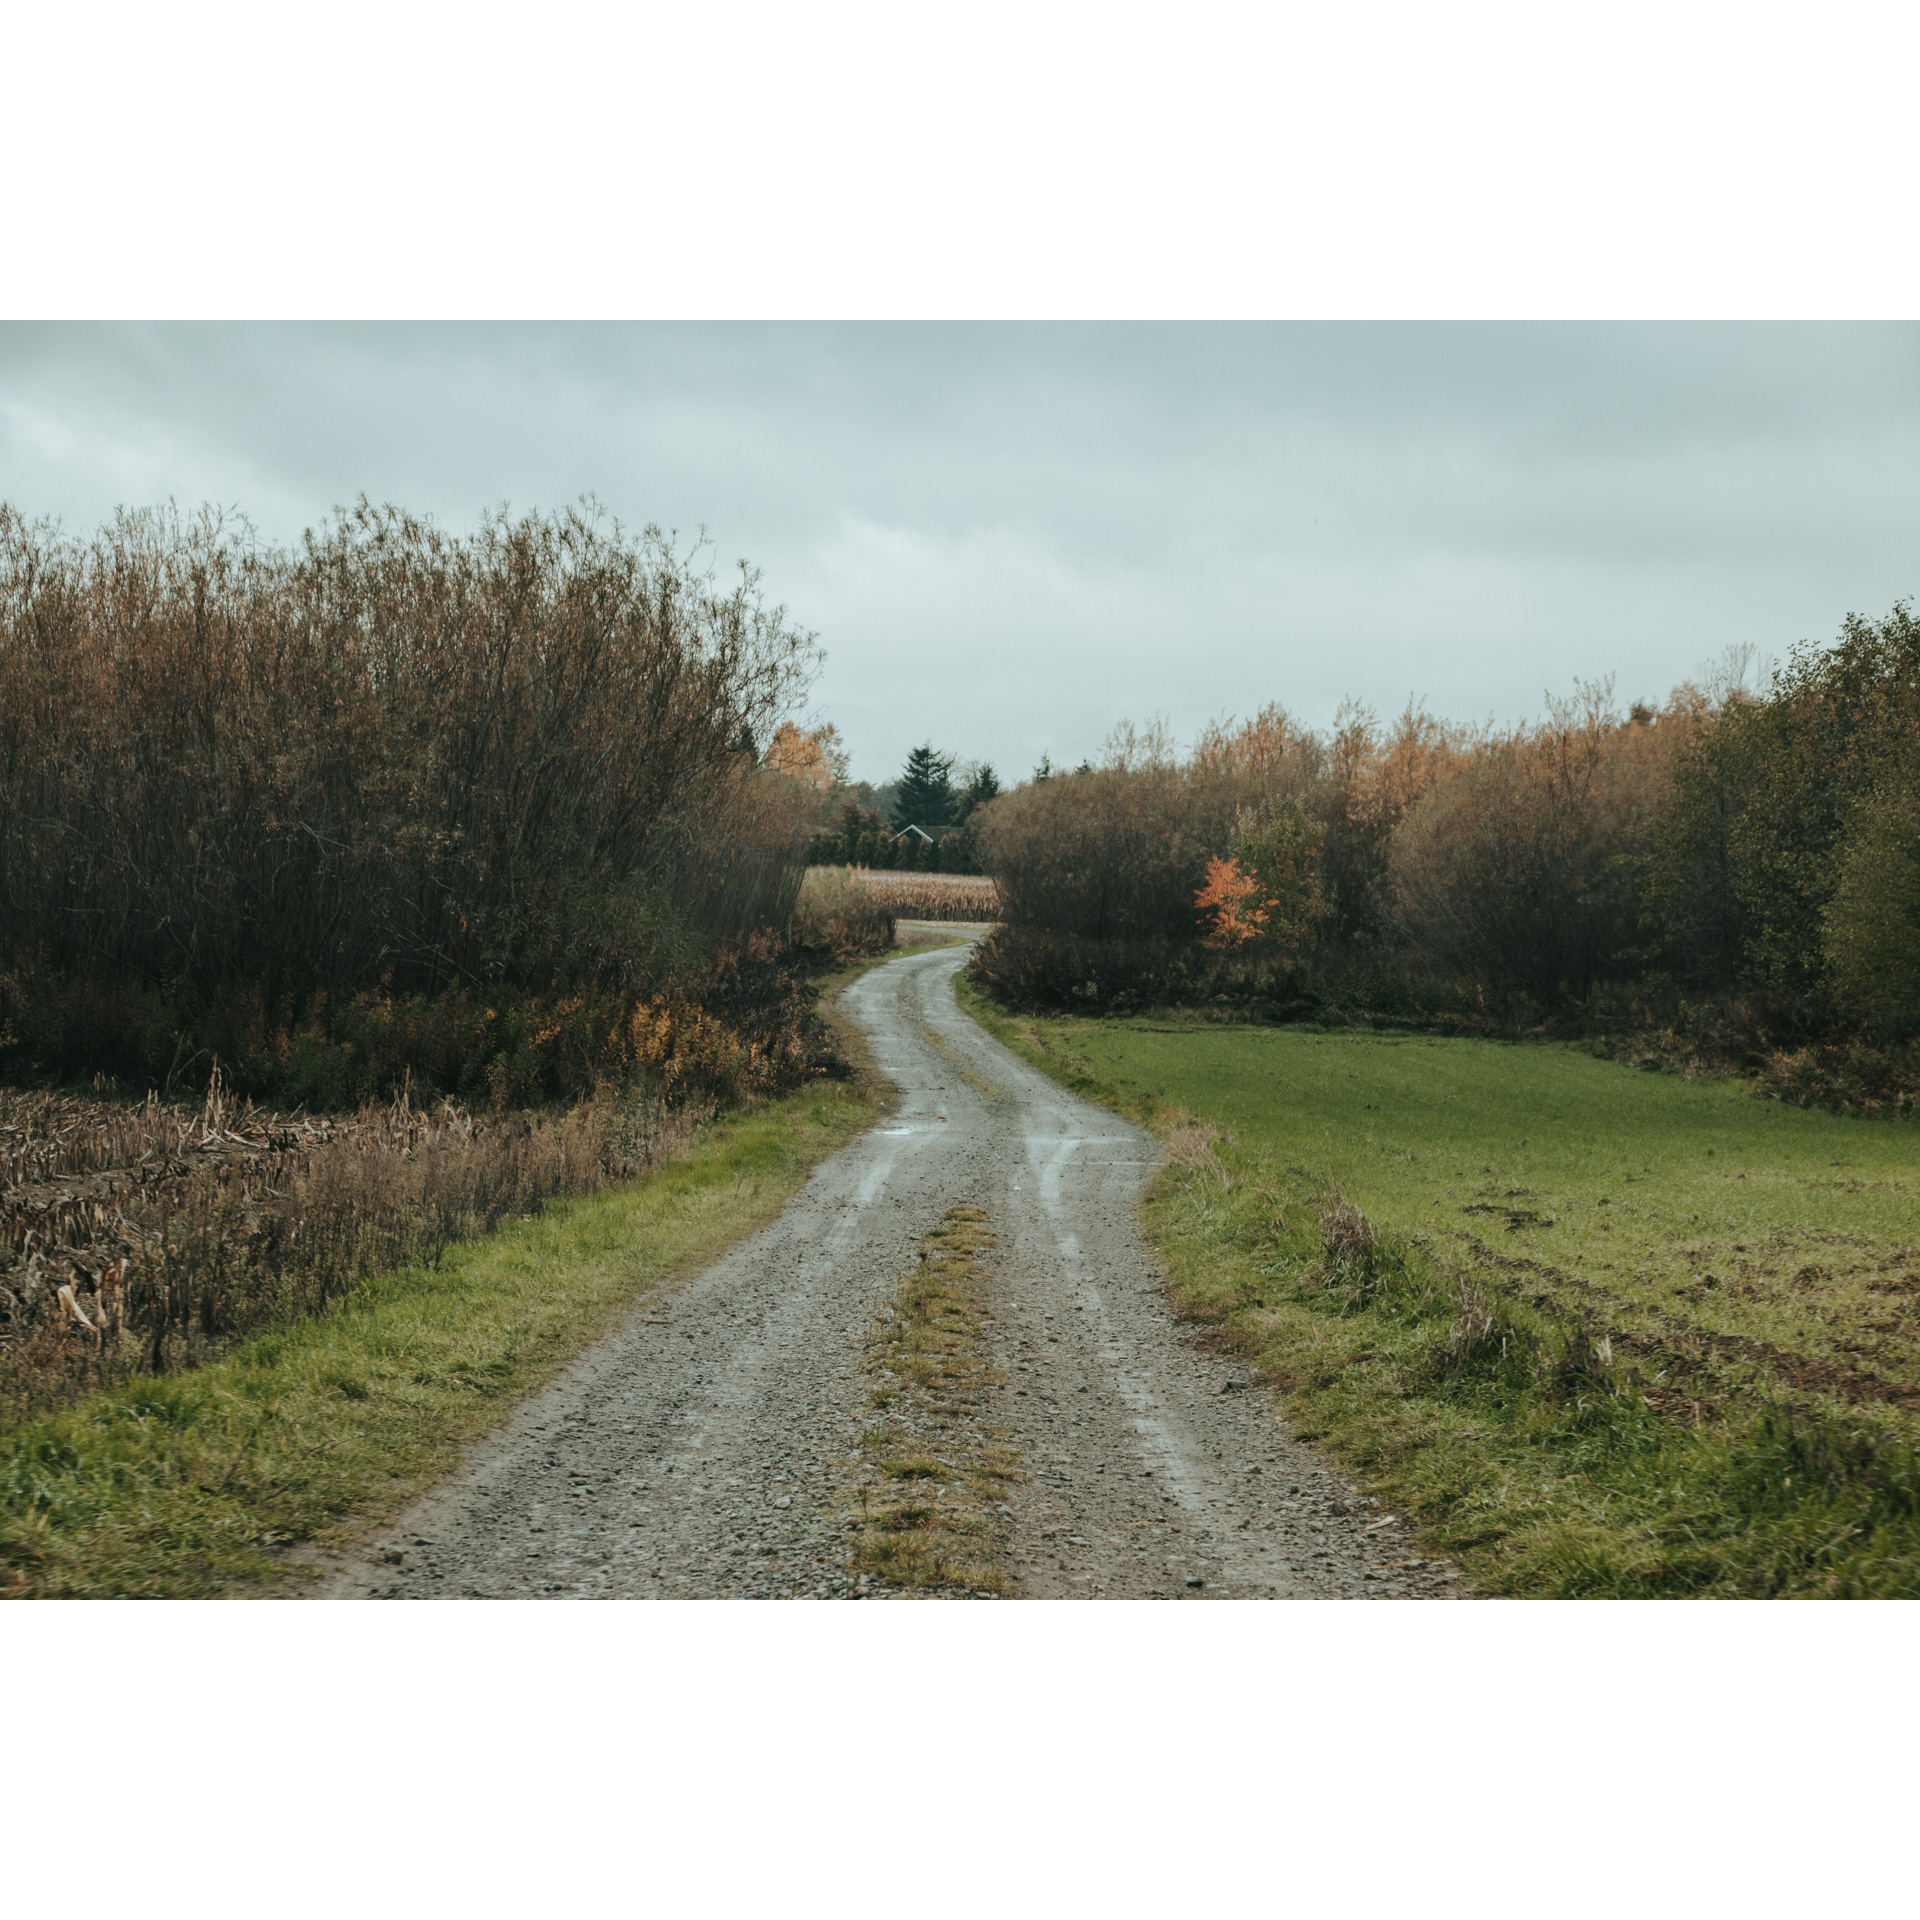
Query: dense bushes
pixel 1758 852
pixel 744 1026
pixel 1518 866
pixel 1117 852
pixel 1028 966
pixel 399 800
pixel 1110 855
pixel 1098 871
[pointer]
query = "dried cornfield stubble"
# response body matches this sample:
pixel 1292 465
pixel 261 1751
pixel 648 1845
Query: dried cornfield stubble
pixel 138 1239
pixel 967 897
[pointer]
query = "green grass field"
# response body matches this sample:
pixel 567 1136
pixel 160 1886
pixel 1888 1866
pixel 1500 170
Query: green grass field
pixel 310 1436
pixel 1621 1333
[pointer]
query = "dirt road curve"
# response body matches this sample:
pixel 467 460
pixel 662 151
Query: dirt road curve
pixel 712 1455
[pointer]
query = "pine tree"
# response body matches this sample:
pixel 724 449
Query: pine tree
pixel 982 787
pixel 925 797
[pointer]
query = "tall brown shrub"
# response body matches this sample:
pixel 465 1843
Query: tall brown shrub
pixel 1520 865
pixel 395 759
pixel 1117 852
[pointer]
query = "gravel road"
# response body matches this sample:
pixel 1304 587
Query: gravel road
pixel 708 1449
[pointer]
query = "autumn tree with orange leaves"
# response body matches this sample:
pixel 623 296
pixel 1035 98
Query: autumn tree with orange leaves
pixel 1231 910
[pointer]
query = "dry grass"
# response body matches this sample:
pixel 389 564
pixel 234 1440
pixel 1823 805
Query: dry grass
pixel 1346 1234
pixel 1192 1145
pixel 836 914
pixel 931 1512
pixel 141 1239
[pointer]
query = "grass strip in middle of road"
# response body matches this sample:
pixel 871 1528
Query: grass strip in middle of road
pixel 930 1509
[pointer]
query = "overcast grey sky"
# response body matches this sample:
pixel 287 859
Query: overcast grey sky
pixel 1009 537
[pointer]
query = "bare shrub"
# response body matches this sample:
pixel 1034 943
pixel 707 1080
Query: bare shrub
pixel 1371 778
pixel 1118 852
pixel 1519 864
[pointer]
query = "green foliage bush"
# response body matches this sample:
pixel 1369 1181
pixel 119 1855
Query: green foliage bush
pixel 1281 849
pixel 1765 799
pixel 1871 925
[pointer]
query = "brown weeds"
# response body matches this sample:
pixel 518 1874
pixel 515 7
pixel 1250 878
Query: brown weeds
pixel 138 1239
pixel 1191 1149
pixel 1475 1330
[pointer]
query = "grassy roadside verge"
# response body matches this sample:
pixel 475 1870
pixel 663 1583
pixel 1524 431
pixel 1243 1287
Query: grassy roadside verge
pixel 1599 1333
pixel 197 1483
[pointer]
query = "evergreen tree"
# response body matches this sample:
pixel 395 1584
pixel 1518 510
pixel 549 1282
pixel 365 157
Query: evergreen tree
pixel 924 797
pixel 856 830
pixel 982 787
pixel 960 848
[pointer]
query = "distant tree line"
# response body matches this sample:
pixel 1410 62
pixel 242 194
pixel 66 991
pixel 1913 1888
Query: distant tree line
pixel 1738 867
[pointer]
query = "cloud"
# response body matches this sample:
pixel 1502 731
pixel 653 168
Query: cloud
pixel 1010 537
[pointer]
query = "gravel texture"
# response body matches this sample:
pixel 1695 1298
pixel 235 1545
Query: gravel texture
pixel 709 1448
